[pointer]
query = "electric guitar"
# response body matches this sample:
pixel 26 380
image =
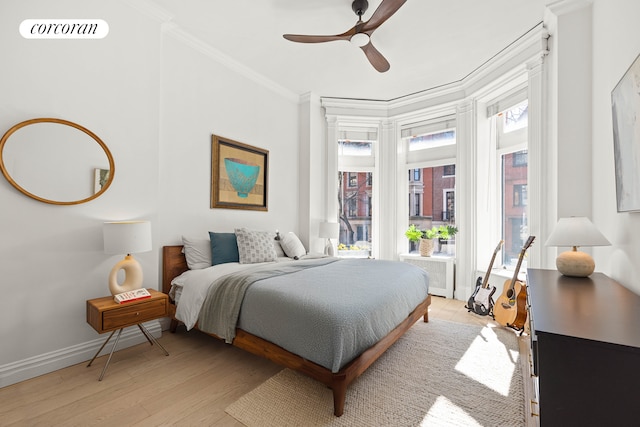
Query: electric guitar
pixel 481 301
pixel 510 308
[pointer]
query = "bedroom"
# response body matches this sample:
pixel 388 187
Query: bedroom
pixel 155 103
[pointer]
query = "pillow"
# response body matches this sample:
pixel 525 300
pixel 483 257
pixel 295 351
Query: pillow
pixel 278 247
pixel 224 248
pixel 197 252
pixel 292 245
pixel 255 246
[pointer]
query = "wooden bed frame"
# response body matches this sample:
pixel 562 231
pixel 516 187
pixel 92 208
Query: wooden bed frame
pixel 174 263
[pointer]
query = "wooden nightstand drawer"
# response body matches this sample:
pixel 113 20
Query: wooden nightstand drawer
pixel 105 315
pixel 134 314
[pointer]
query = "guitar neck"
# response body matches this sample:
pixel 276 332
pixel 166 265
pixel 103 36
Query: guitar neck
pixel 520 258
pixel 485 282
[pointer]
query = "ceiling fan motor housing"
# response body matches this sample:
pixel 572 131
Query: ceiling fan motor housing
pixel 359 7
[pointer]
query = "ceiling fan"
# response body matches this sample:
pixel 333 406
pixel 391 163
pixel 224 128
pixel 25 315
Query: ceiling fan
pixel 361 32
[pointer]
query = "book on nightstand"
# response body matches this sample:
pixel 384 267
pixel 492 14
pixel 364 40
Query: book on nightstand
pixel 131 296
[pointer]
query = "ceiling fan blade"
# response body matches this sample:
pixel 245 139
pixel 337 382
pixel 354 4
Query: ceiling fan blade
pixel 375 57
pixel 300 38
pixel 386 9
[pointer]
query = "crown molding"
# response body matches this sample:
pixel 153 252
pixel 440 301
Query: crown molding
pixel 503 72
pixel 168 28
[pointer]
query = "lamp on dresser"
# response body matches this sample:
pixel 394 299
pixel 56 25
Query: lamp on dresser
pixel 126 237
pixel 329 230
pixel 575 232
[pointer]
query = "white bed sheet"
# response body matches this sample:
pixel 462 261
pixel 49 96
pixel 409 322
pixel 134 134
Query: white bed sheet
pixel 189 289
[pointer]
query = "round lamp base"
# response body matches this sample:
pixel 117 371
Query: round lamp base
pixel 133 276
pixel 575 264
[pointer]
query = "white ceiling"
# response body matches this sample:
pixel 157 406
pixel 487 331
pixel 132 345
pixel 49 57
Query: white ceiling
pixel 429 43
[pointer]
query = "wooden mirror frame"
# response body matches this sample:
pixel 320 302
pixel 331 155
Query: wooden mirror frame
pixel 20 125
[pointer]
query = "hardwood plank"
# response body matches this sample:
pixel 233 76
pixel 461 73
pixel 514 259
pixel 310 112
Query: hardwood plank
pixel 204 374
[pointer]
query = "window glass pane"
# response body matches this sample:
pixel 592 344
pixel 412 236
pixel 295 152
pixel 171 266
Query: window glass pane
pixel 355 148
pixel 514 206
pixel 355 213
pixel 432 140
pixel 516 117
pixel 432 203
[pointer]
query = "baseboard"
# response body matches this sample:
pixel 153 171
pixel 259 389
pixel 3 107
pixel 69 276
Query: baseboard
pixel 22 370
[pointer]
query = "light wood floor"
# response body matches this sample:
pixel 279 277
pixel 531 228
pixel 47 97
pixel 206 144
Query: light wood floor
pixel 143 387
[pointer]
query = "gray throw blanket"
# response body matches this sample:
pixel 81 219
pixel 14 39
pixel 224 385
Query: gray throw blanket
pixel 221 307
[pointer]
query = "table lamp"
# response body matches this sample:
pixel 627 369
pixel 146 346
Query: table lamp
pixel 126 237
pixel 575 232
pixel 329 230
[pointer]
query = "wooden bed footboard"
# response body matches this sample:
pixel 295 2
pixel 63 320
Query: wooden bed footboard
pixel 174 264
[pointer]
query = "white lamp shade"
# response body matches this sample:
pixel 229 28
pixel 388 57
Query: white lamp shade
pixel 329 230
pixel 576 231
pixel 127 237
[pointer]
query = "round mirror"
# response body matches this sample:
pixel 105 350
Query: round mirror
pixel 56 161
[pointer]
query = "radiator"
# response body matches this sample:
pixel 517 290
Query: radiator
pixel 441 272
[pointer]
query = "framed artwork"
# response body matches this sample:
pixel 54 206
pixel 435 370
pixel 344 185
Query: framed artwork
pixel 625 106
pixel 239 175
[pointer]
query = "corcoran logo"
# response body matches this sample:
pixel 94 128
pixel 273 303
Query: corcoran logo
pixel 64 29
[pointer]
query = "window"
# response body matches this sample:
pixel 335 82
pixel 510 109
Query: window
pixel 355 215
pixel 520 195
pixel 516 117
pixel 433 201
pixel 520 159
pixel 354 148
pixel 513 161
pixel 352 180
pixel 356 180
pixel 449 208
pixel 432 140
pixel 449 170
pixel 430 148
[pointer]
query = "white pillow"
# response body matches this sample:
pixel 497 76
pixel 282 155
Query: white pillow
pixel 255 246
pixel 292 245
pixel 197 252
pixel 278 247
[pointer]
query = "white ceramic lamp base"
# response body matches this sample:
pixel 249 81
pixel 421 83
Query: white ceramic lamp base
pixel 132 278
pixel 328 248
pixel 575 263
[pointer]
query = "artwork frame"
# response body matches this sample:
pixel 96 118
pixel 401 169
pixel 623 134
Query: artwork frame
pixel 239 175
pixel 625 108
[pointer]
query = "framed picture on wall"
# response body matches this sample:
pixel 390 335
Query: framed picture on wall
pixel 239 175
pixel 625 105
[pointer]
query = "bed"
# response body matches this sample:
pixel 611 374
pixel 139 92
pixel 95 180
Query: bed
pixel 337 376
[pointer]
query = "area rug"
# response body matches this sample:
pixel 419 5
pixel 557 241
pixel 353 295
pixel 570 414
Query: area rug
pixel 438 374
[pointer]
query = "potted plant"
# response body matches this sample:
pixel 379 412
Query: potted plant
pixel 426 237
pixel 413 233
pixel 446 234
pixel 427 243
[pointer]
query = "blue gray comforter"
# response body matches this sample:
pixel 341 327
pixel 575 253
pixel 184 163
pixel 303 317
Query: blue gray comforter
pixel 327 311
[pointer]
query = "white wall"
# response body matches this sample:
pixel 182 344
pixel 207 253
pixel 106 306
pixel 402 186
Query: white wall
pixel 199 98
pixel 616 44
pixel 154 99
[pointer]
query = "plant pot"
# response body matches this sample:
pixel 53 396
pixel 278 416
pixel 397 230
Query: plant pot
pixel 426 247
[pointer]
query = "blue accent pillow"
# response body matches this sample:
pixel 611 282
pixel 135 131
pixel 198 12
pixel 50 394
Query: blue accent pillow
pixel 224 248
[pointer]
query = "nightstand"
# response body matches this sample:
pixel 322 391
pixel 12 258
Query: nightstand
pixel 104 315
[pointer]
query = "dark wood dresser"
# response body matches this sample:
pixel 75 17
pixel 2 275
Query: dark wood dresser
pixel 585 343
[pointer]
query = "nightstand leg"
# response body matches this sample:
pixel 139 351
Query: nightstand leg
pixel 152 340
pixel 110 354
pixel 98 352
